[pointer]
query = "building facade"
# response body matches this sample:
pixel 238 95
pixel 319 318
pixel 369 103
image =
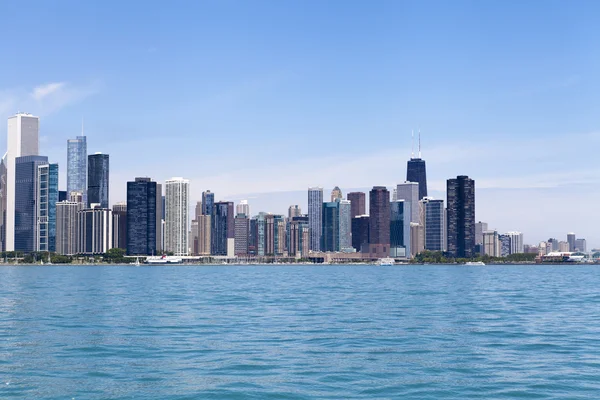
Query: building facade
pixel 26 193
pixel 417 172
pixel 77 161
pixel 95 230
pixel 336 194
pixel 177 216
pixel 119 212
pixel 400 212
pixel 345 211
pixel 67 228
pixel 461 216
pixel 315 217
pixel 223 229
pixel 98 171
pixel 243 208
pixel 144 200
pixel 294 211
pixel 360 233
pixel 330 238
pixel 379 222
pixel 409 192
pixel 208 202
pixel 434 224
pixel 242 228
pixel 46 199
pixel 357 204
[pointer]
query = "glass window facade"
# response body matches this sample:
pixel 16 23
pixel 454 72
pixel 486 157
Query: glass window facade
pixel 98 169
pixel 141 217
pixel 77 165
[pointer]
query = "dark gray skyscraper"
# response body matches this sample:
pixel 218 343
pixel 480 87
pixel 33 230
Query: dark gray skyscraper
pixel 77 165
pixel 208 202
pixel 223 227
pixel 143 202
pixel 379 222
pixel 26 187
pixel 98 180
pixel 357 204
pixel 461 216
pixel 315 217
pixel 416 172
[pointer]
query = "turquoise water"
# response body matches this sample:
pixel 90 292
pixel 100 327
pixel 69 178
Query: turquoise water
pixel 300 332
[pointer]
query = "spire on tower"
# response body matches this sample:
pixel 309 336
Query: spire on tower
pixel 419 143
pixel 82 126
pixel 412 144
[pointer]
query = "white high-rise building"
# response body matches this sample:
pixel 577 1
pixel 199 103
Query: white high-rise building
pixel 243 208
pixel 409 192
pixel 177 216
pixel 515 242
pixel 22 140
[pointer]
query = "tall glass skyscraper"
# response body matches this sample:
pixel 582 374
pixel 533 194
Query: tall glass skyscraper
pixel 315 217
pixel 143 213
pixel 330 238
pixel 434 224
pixel 461 216
pixel 400 211
pixel 208 202
pixel 77 166
pixel 98 169
pixel 26 186
pixel 46 199
pixel 223 227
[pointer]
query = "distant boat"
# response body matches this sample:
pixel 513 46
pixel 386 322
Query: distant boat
pixel 137 262
pixel 474 263
pixel 164 259
pixel 386 261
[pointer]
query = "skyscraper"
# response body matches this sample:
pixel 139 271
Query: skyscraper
pixel 330 239
pixel 580 245
pixel 357 204
pixel 243 208
pixel 345 226
pixel 22 140
pixel 26 193
pixel 67 227
pixel 571 238
pixel 177 216
pixel 491 244
pixel 315 217
pixel 360 232
pixel 409 192
pixel 400 229
pixel 95 230
pixel 294 211
pixel 298 237
pixel 336 194
pixel 46 199
pixel 515 242
pixel 223 229
pixel 461 216
pixel 379 222
pixel 242 228
pixel 417 172
pixel 434 224
pixel 204 234
pixel 119 212
pixel 98 170
pixel 77 161
pixel 480 227
pixel 142 203
pixel 208 201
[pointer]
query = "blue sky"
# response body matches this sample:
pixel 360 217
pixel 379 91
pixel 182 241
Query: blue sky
pixel 262 99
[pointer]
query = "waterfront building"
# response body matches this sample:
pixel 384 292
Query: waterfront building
pixel 345 212
pixel 580 245
pixel 379 222
pixel 77 163
pixel 360 233
pixel 515 242
pixel 204 234
pixel 571 238
pixel 260 234
pixel 45 199
pixel 330 239
pixel 269 234
pixel 409 192
pixel 252 237
pixel 461 216
pixel 3 195
pixel 242 228
pixel 417 239
pixel 434 225
pixel 22 141
pixel 177 216
pixel 298 237
pixel 94 230
pixel 336 194
pixel 144 202
pixel 554 242
pixel 243 208
pixel 208 201
pixel 480 227
pixel 223 229
pixel 119 212
pixel 279 230
pixel 294 211
pixel 98 171
pixel 25 210
pixel 315 217
pixel 67 227
pixel 198 210
pixel 504 245
pixel 400 213
pixel 491 244
pixel 563 247
pixel 357 204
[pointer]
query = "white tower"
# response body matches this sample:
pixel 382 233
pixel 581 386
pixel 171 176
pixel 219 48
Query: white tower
pixel 177 215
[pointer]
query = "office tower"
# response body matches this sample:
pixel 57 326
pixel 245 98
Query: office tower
pixel 417 239
pixel 243 208
pixel 492 245
pixel 199 210
pixel 143 199
pixel 252 239
pixel 379 222
pixel 194 237
pixel 98 170
pixel 45 200
pixel 345 211
pixel 357 204
pixel 554 243
pixel 260 234
pixel 580 245
pixel 76 197
pixel 480 227
pixel 416 172
pixel 360 232
pixel 299 237
pixel 208 201
pixel 315 217
pixel 563 247
pixel 571 238
pixel 204 234
pixel 159 219
pixel 3 189
pixel 461 216
pixel 119 212
pixel 279 235
pixel 95 230
pixel 242 228
pixel 177 216
pixel 223 229
pixel 77 163
pixel 336 194
pixel 400 229
pixel 26 187
pixel 515 242
pixel 269 234
pixel 62 195
pixel 409 192
pixel 294 211
pixel 395 194
pixel 434 224
pixel 67 227
pixel 22 140
pixel 330 239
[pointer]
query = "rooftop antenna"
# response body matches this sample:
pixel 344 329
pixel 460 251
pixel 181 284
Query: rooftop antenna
pixel 419 143
pixel 412 144
pixel 81 126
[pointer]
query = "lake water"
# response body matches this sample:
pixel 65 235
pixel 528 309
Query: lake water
pixel 300 332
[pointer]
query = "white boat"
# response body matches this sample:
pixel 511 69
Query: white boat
pixel 475 263
pixel 386 261
pixel 137 262
pixel 164 259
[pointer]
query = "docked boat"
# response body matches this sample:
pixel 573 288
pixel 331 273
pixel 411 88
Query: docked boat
pixel 164 259
pixel 386 261
pixel 475 263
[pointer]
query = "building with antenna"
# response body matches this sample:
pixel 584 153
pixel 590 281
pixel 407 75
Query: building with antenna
pixel 77 165
pixel 416 170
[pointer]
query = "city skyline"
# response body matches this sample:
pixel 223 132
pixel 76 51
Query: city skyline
pixel 514 109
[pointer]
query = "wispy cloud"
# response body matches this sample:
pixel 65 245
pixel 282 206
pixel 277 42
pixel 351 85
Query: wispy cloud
pixel 39 92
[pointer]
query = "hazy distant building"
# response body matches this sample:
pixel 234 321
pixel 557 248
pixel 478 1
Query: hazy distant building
pixel 177 216
pixel 563 247
pixel 223 229
pixel 208 201
pixel 198 210
pixel 357 204
pixel 491 244
pixel 580 245
pixel 315 217
pixel 515 242
pixel 360 232
pixel 400 213
pixel 330 239
pixel 409 192
pixel 336 194
pixel 203 241
pixel 45 199
pixel 67 227
pixel 243 208
pixel 242 228
pixel 379 222
pixel 279 235
pixel 98 172
pixel 434 224
pixel 417 239
pixel 294 211
pixel 119 212
pixel 26 213
pixel 571 238
pixel 461 216
pixel 480 227
pixel 77 161
pixel 298 237
pixel 95 230
pixel 22 141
